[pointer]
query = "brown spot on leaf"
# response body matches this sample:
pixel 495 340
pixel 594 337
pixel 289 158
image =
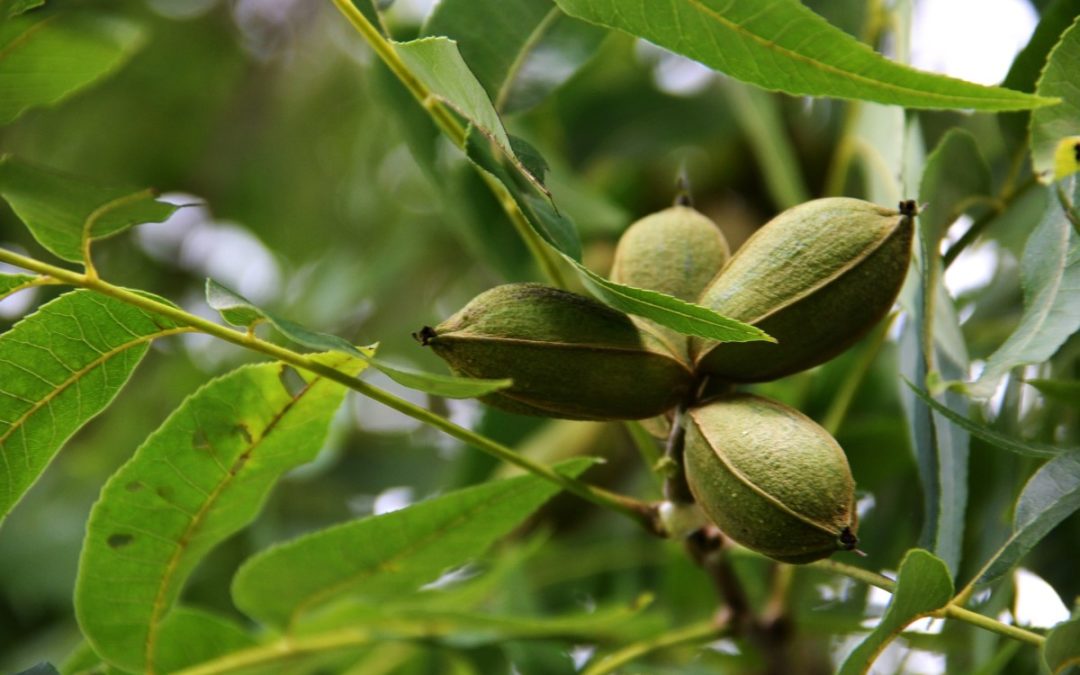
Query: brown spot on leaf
pixel 244 431
pixel 134 486
pixel 119 540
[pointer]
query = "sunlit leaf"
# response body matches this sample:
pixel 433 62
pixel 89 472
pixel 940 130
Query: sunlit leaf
pixel 1024 448
pixel 1062 647
pixel 1050 125
pixel 203 475
pixel 239 311
pixel 46 56
pixel 923 586
pixel 63 212
pixel 59 367
pixel 519 50
pixel 1067 157
pixel 783 46
pixel 1050 496
pixel 387 555
pixel 1050 275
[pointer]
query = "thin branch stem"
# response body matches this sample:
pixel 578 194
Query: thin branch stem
pixel 998 206
pixel 457 133
pixel 676 488
pixel 635 509
pixel 704 631
pixel 282 651
pixel 950 611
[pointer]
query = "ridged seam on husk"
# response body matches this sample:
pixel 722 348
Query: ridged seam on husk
pixel 545 344
pixel 540 404
pixel 742 478
pixel 840 271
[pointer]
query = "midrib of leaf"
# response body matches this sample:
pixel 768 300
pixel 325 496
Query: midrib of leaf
pixel 96 214
pixel 388 563
pixel 26 35
pixel 75 376
pixel 825 67
pixel 522 55
pixel 185 538
pixel 612 288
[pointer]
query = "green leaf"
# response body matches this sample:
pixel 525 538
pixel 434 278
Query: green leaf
pixel 553 227
pixel 922 587
pixel 59 367
pixel 17 7
pixel 191 636
pixel 1062 647
pixel 468 630
pixel 42 668
pixel 759 115
pixel 519 50
pixel 685 317
pixel 46 56
pixel 202 476
pixel 955 177
pixel 371 13
pixel 1050 496
pixel 1050 276
pixel 879 140
pixel 1062 391
pixel 438 64
pixel 1024 448
pixel 932 334
pixel 1054 18
pixel 1050 125
pixel 783 46
pixel 388 555
pixel 239 311
pixel 63 212
pixel 1025 69
pixel 13 283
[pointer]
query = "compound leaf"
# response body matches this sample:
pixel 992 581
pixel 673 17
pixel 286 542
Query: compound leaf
pixel 923 586
pixel 199 478
pixel 65 212
pixel 387 555
pixel 46 56
pixel 59 367
pixel 782 45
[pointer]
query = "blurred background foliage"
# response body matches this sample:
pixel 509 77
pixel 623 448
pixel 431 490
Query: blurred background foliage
pixel 292 146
